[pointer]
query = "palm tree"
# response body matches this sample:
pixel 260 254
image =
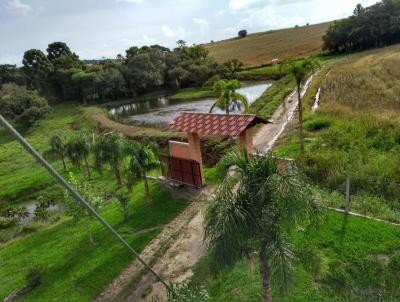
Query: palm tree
pixel 257 210
pixel 144 159
pixel 300 70
pixel 78 149
pixel 228 97
pixel 57 150
pixel 111 149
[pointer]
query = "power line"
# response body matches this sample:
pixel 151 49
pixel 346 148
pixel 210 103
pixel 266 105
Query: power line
pixel 14 133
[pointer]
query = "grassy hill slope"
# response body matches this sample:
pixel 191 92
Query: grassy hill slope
pixel 260 48
pixel 355 131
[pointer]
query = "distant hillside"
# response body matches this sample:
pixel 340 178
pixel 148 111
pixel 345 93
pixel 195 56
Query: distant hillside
pixel 260 48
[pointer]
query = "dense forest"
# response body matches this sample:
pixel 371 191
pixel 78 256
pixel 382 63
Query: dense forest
pixel 63 75
pixel 374 26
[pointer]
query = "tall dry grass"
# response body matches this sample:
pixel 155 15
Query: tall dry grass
pixel 260 48
pixel 368 82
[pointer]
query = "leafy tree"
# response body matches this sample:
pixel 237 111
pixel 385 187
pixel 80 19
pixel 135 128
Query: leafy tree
pixel 242 33
pixel 42 208
pixel 78 150
pixel 232 67
pixel 300 70
pixel 374 26
pixel 228 97
pixel 22 106
pixel 58 150
pixel 123 199
pixel 257 210
pixel 111 83
pixel 143 71
pixel 57 49
pixel 144 158
pixel 74 208
pixel 181 44
pixel 11 74
pixel 111 149
pixel 85 83
pixel 37 67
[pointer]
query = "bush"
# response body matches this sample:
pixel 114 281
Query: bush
pixel 187 293
pixel 22 106
pixel 317 124
pixel 242 33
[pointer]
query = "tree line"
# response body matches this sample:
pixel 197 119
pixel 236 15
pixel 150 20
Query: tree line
pixel 374 26
pixel 59 73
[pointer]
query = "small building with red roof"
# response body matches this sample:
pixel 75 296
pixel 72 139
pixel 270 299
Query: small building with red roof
pixel 208 124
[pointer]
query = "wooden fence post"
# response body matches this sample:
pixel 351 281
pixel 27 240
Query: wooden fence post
pixel 347 198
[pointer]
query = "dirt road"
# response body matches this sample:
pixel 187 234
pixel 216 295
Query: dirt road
pixel 180 245
pixel 267 136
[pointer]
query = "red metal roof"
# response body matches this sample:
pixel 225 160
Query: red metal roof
pixel 215 124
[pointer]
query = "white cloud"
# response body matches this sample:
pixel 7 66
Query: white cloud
pixel 130 1
pixel 203 24
pixel 168 31
pixel 268 18
pixel 16 7
pixel 243 4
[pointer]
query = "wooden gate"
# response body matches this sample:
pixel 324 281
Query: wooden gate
pixel 183 170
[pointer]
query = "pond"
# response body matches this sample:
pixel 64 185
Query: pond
pixel 161 111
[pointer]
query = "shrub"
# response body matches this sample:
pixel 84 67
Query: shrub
pixel 317 124
pixel 22 106
pixel 242 33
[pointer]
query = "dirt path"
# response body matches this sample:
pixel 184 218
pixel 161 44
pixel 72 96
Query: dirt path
pixel 185 233
pixel 268 134
pixel 130 131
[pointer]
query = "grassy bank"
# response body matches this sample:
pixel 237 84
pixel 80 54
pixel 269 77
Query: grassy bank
pixel 270 100
pixel 355 132
pixel 189 94
pixel 75 269
pixel 20 175
pixel 355 260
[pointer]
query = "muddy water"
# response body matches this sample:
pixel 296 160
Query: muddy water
pixel 162 111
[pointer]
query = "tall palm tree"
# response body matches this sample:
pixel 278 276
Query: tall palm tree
pixel 57 150
pixel 257 210
pixel 78 150
pixel 111 149
pixel 228 97
pixel 300 70
pixel 144 159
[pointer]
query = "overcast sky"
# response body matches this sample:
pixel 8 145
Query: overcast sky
pixel 104 28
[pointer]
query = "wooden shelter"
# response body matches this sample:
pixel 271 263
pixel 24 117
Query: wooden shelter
pixel 185 160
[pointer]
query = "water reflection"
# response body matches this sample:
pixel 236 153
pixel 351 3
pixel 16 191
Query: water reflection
pixel 162 110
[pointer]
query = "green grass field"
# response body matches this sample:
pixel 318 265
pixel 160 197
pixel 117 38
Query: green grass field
pixel 355 131
pixel 193 94
pixel 76 269
pixel 355 260
pixel 260 48
pixel 20 175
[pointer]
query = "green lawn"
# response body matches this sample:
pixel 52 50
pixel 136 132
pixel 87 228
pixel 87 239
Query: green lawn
pixel 271 99
pixel 189 94
pixel 75 269
pixel 359 260
pixel 19 174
